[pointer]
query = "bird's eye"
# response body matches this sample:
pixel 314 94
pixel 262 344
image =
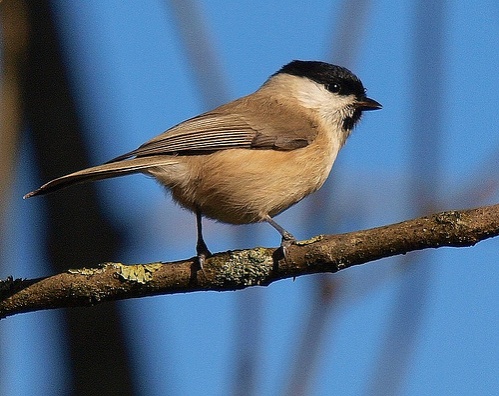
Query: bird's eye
pixel 334 87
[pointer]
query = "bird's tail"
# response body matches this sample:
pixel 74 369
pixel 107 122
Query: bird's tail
pixel 105 171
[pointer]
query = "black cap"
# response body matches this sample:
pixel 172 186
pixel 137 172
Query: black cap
pixel 336 79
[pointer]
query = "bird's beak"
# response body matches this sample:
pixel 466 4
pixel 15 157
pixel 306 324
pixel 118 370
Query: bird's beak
pixel 368 104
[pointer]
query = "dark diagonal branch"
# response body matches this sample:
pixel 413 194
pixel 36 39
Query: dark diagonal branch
pixel 239 269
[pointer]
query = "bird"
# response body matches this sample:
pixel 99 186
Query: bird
pixel 250 159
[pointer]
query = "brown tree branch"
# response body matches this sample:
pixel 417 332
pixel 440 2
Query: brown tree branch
pixel 234 270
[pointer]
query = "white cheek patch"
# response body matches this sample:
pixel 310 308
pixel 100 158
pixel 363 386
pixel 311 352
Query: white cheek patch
pixel 313 95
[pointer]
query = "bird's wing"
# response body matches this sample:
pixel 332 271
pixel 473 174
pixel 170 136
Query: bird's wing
pixel 267 126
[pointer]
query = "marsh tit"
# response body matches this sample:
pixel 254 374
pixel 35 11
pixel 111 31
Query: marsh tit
pixel 252 158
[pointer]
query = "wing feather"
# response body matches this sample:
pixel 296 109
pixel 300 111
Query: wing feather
pixel 222 129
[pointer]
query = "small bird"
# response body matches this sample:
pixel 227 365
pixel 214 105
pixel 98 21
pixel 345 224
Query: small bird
pixel 252 158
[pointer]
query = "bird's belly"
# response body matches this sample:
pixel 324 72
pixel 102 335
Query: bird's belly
pixel 243 186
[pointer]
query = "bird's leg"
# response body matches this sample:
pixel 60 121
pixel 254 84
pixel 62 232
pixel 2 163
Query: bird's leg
pixel 287 238
pixel 201 248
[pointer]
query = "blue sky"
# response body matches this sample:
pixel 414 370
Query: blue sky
pixel 133 80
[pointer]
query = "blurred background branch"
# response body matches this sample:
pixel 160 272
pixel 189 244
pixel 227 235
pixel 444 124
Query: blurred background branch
pixel 53 127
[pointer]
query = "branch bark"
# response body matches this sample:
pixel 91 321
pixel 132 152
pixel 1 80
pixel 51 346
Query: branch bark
pixel 234 270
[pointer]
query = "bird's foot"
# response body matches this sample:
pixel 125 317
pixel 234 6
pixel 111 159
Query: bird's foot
pixel 286 242
pixel 202 254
